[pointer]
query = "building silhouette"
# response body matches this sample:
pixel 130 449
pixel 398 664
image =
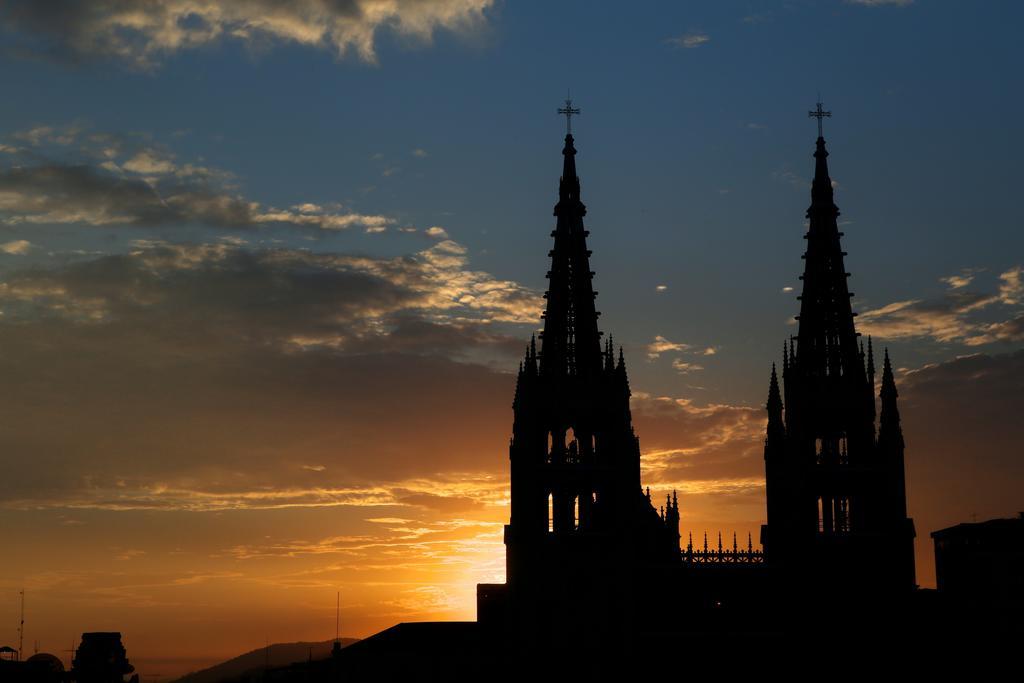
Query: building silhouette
pixel 837 521
pixel 598 585
pixel 982 562
pixel 102 658
pixel 835 487
pixel 576 498
pixel 99 658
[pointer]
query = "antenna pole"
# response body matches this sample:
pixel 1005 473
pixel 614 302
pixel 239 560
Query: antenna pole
pixel 21 627
pixel 337 618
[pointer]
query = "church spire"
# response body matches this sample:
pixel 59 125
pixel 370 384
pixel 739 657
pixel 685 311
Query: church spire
pixel 774 397
pixel 776 433
pixel 571 342
pixel 890 433
pixel 821 189
pixel 827 340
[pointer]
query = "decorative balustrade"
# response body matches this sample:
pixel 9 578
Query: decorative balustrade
pixel 734 555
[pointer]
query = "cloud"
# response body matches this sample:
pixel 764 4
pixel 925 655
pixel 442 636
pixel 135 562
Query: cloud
pixel 662 345
pixel 1011 330
pixel 436 231
pixel 1011 286
pixel 146 163
pixel 235 369
pixel 685 367
pixel 143 37
pixel 792 178
pixel 712 454
pixel 958 281
pixel 123 184
pixel 691 40
pixel 958 316
pixel 17 247
pixel 421 153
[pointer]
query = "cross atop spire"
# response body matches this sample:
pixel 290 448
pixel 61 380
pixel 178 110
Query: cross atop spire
pixel 819 113
pixel 568 111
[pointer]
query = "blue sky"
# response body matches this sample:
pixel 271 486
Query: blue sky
pixel 694 159
pixel 249 254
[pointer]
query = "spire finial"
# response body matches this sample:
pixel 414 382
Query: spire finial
pixel 819 113
pixel 568 111
pixel 774 405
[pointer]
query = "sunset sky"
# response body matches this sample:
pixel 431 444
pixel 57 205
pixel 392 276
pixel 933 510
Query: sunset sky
pixel 267 270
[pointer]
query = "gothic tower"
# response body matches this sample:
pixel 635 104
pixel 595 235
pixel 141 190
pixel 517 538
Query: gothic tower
pixel 837 518
pixel 580 524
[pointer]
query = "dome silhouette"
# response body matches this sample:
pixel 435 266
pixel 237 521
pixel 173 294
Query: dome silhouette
pixel 44 660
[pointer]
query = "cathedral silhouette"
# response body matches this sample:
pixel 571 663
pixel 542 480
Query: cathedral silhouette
pixel 596 577
pixel 589 556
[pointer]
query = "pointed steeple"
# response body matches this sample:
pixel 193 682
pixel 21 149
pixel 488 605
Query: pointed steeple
pixel 828 341
pixel 890 433
pixel 821 186
pixel 776 432
pixel 774 396
pixel 828 374
pixel 571 340
pixel 569 184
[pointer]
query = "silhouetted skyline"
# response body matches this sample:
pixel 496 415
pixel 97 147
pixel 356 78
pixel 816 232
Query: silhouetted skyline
pixel 266 274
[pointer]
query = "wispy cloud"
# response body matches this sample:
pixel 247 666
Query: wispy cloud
pixel 16 247
pixel 142 37
pixel 690 40
pixel 685 367
pixel 436 231
pixel 123 183
pixel 662 345
pixel 957 316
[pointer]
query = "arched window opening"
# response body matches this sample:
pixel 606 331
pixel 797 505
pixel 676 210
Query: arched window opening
pixel 842 515
pixel 551 514
pixel 572 446
pixel 576 512
pixel 821 516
